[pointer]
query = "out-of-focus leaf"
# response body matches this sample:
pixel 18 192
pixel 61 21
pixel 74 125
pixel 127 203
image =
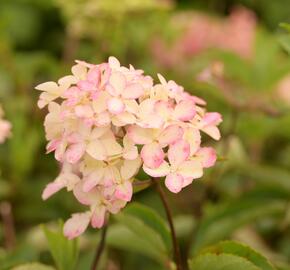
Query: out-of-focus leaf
pixel 285 26
pixel 223 219
pixel 241 250
pixel 285 42
pixel 184 225
pixel 133 234
pixel 33 266
pixel 221 262
pixel 22 254
pixel 152 219
pixel 64 251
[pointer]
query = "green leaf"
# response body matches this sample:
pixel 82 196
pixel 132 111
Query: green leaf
pixel 285 26
pixel 241 250
pixel 225 218
pixel 64 251
pixel 285 42
pixel 221 262
pixel 33 266
pixel 152 219
pixel 133 234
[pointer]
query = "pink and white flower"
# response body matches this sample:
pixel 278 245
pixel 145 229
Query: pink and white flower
pixel 106 121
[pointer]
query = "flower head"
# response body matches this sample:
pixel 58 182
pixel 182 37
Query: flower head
pixel 106 121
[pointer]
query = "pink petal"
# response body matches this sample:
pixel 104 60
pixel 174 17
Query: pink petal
pixel 86 198
pixel 124 191
pixel 98 217
pixel 207 156
pixel 92 180
pixel 212 118
pixel 51 189
pixel 75 152
pixel 152 155
pixel 178 152
pixel 139 135
pixel 94 75
pixel 170 135
pixel 76 225
pixel 133 91
pixel 84 111
pixel 115 105
pixel 86 85
pixel 174 182
pixel 162 170
pixel 185 110
pixel 52 145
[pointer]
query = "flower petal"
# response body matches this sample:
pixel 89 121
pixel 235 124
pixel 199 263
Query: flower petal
pixel 152 155
pixel 130 151
pixel 162 170
pixel 96 150
pixel 130 168
pixel 207 155
pixel 111 146
pixel 76 225
pixel 140 135
pixel 79 71
pixel 191 168
pixel 98 217
pixel 170 135
pixel 50 87
pixel 117 83
pixel 51 189
pixel 115 105
pixel 185 110
pixel 133 91
pixel 178 152
pixel 124 191
pixel 174 182
pixel 212 131
pixel 94 178
pixel 74 152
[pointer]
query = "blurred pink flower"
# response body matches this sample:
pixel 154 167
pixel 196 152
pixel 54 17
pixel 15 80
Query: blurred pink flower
pixel 283 89
pixel 235 33
pixel 5 127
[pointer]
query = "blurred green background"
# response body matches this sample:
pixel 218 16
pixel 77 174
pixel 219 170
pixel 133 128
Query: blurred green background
pixel 230 52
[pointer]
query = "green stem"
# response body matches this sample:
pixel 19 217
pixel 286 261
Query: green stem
pixel 170 222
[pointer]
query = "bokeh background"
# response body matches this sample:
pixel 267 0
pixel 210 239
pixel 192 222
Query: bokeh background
pixel 233 53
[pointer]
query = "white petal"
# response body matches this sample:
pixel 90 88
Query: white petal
pixel 96 150
pixel 191 168
pixel 50 87
pixel 130 168
pixel 162 170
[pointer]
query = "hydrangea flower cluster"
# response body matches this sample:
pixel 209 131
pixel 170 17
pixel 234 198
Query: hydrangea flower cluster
pixel 5 127
pixel 107 121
